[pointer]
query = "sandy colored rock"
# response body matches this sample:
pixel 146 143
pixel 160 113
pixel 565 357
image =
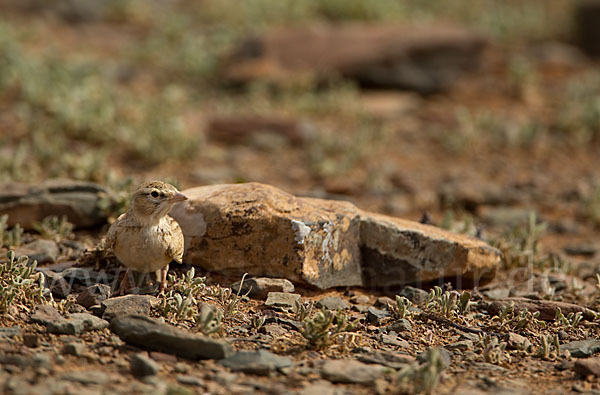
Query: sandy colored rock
pixel 397 252
pixel 260 230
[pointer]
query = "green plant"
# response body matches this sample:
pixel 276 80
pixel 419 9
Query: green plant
pixel 421 378
pixel 519 246
pixel 54 228
pixel 302 310
pixel 517 321
pixel 10 238
pixel 209 319
pixel 492 350
pixel 401 308
pixel 550 347
pixel 323 326
pixel 20 285
pixel 450 304
pixel 570 321
pixel 181 301
pixel 227 298
pixel 257 321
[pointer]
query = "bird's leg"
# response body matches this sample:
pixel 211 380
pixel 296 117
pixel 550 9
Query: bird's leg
pixel 163 278
pixel 125 282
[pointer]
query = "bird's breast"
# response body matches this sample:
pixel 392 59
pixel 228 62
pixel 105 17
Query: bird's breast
pixel 143 249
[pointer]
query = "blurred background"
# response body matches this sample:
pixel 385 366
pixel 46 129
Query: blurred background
pixel 476 108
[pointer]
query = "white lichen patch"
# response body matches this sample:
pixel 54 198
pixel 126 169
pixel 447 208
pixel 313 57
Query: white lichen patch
pixel 301 231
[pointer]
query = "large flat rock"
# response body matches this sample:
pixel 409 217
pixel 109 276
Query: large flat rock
pixel 78 201
pixel 258 229
pixel 421 58
pixel 151 334
pixel 396 252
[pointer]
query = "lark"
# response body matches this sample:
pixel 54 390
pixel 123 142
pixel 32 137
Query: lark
pixel 146 239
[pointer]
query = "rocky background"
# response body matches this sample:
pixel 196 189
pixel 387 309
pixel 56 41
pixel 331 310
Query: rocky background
pixel 385 197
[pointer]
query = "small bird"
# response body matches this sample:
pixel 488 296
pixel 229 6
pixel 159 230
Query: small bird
pixel 145 239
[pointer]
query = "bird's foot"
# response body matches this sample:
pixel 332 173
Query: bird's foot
pixel 125 284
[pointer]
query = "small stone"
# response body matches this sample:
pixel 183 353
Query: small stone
pixel 76 324
pixel 127 305
pixel 415 295
pixel 350 372
pixel 384 301
pixel 163 357
pixel 75 348
pixel 31 340
pixel 321 387
pixel 224 378
pixel 394 340
pixel 333 303
pixel 462 345
pixel 283 300
pixel 41 250
pixel 188 379
pixel 565 364
pixel 272 330
pixel 563 335
pixel 10 332
pixel 180 367
pixel 587 250
pixel 94 295
pixel 86 276
pixel 517 342
pixel 151 334
pixel 375 316
pixel 582 348
pixel 15 360
pixel 89 377
pixel 586 367
pixel 390 359
pixel 142 365
pixel 58 286
pixel 401 325
pixel 43 360
pixel 360 299
pixel 497 293
pixel 45 314
pixel 361 308
pixel 260 362
pixel 259 288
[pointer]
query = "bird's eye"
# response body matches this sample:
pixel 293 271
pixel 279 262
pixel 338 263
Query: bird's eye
pixel 154 194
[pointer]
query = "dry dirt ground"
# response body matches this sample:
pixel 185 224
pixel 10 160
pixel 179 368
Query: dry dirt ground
pixel 519 135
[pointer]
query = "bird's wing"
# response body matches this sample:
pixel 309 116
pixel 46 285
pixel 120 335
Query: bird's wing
pixel 111 235
pixel 175 248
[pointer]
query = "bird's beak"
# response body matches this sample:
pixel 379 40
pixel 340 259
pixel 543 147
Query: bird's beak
pixel 178 197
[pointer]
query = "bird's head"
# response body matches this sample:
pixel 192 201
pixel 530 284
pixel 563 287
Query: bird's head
pixel 153 200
